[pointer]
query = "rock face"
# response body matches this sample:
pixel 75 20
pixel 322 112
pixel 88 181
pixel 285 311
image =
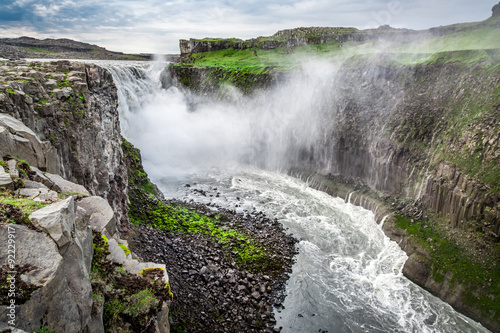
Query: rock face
pixel 57 257
pixel 73 109
pixel 53 257
pixel 285 38
pixel 18 140
pixel 424 135
pixel 496 10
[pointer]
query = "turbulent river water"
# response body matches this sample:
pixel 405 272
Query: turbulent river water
pixel 348 275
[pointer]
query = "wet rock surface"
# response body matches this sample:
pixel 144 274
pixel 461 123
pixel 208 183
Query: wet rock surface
pixel 212 291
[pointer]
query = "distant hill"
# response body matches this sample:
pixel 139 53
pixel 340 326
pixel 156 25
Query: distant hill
pixel 27 47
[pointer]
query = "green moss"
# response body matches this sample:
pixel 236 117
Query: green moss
pixel 105 239
pixel 63 84
pixel 124 248
pixel 27 206
pixel 11 91
pixel 138 304
pixel 480 279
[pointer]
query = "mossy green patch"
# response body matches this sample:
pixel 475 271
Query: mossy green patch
pixel 63 84
pixel 147 207
pixel 124 248
pixel 129 301
pixel 481 279
pixel 27 206
pixel 178 218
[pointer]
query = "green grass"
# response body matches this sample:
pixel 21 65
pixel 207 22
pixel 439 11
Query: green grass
pixel 124 248
pixel 27 206
pixel 476 36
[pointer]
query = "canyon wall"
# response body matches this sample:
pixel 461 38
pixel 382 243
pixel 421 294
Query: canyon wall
pixel 74 107
pixel 416 140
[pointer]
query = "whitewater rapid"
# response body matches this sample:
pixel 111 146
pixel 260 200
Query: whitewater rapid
pixel 347 276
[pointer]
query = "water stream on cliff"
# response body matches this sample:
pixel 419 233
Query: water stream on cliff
pixel 347 276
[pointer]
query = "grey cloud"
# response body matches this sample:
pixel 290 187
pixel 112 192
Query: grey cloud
pixel 156 26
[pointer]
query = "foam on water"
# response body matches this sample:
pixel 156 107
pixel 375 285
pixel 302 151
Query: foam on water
pixel 348 274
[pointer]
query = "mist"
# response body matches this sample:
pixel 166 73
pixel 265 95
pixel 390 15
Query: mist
pixel 180 132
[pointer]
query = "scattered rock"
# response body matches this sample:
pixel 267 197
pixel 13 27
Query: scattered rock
pixel 216 294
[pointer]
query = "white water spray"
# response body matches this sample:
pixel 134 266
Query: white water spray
pixel 348 274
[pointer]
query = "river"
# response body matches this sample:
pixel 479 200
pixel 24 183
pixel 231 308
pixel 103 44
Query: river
pixel 348 275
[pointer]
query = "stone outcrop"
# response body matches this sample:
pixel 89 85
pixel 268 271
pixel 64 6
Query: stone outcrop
pixel 61 119
pixel 289 38
pixel 55 252
pixel 496 10
pixel 18 140
pixel 72 108
pixel 57 256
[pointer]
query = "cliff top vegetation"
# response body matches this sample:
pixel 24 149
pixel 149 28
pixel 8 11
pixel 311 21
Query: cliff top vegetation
pixel 288 49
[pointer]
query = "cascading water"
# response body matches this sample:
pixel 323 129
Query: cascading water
pixel 348 274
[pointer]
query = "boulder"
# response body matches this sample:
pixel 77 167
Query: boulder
pixel 37 250
pixel 63 185
pixel 58 183
pixel 102 217
pixel 32 184
pixel 18 140
pixel 60 256
pixel 57 220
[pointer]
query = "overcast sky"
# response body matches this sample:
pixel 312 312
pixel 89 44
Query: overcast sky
pixel 155 26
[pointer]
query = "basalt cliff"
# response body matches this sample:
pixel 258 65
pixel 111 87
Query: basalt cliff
pixel 413 136
pixel 66 266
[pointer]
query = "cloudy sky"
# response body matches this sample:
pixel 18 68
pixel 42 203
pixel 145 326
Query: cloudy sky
pixel 155 26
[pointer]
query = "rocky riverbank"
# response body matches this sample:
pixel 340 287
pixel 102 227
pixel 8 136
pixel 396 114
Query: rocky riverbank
pixel 213 290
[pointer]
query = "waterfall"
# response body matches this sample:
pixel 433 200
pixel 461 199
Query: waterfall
pixel 272 129
pixel 348 275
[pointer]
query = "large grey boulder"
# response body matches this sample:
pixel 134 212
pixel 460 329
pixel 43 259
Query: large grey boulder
pixel 62 185
pixel 32 248
pixel 101 215
pixel 58 183
pixel 57 220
